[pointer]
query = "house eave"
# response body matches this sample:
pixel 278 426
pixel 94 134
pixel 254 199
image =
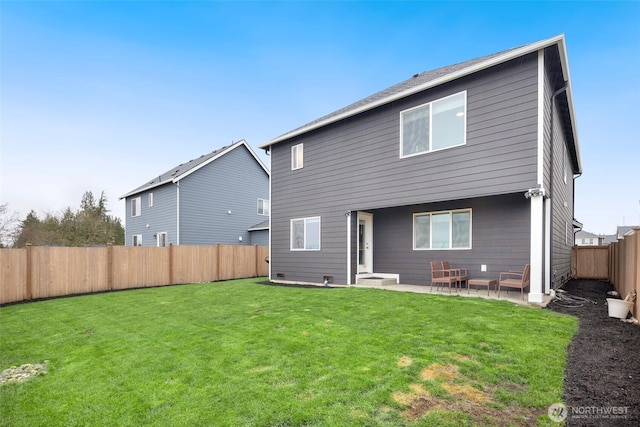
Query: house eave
pixel 524 50
pixel 143 189
pixel 186 173
pixel 564 63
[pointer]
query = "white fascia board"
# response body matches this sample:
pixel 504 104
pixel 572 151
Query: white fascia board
pixel 432 83
pixel 564 61
pixel 142 190
pixel 190 171
pixel 255 156
pixel 240 143
pixel 203 164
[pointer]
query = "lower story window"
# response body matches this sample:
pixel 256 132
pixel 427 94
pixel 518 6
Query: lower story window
pixel 442 230
pixel 136 240
pixel 162 239
pixel 305 234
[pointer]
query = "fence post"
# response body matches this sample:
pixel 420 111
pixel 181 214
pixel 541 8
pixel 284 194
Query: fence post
pixel 217 262
pixel 255 264
pixel 29 289
pixel 110 266
pixel 171 263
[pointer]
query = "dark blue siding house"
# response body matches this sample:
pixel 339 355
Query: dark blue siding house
pixel 220 197
pixel 472 163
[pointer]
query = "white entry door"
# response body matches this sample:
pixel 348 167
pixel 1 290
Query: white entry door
pixel 365 242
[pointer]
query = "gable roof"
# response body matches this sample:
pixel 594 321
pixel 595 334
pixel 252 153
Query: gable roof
pixel 264 225
pixel 624 229
pixel 433 78
pixel 183 170
pixel 585 234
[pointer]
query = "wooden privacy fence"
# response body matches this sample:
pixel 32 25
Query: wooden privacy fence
pixel 590 262
pixel 42 272
pixel 619 263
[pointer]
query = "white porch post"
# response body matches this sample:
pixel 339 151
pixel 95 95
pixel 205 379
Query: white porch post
pixel 537 248
pixel 547 246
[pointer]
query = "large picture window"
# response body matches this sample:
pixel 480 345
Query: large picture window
pixel 305 234
pixel 442 230
pixel 434 126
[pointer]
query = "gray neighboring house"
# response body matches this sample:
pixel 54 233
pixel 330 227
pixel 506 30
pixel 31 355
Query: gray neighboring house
pixel 472 163
pixel 220 197
pixel 621 230
pixel 584 238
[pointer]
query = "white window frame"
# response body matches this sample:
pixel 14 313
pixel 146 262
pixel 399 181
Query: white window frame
pixel 430 143
pixel 450 248
pixel 136 206
pixel 150 199
pixel 297 157
pixel 166 239
pixel 306 221
pixel 264 207
pixel 137 237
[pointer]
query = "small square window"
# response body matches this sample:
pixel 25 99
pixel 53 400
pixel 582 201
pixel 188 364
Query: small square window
pixel 297 157
pixel 136 240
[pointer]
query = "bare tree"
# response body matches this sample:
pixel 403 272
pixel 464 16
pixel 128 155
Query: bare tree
pixel 9 222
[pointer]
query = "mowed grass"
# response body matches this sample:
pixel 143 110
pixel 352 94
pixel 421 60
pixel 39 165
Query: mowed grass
pixel 240 353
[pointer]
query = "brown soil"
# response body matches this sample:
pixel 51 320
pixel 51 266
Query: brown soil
pixel 602 377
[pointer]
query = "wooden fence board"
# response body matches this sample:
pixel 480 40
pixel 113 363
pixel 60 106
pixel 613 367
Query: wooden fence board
pixel 194 264
pixel 136 267
pixel 13 275
pixel 44 272
pixel 590 262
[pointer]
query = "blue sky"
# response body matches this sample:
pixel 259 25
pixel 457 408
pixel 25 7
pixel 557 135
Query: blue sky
pixel 106 95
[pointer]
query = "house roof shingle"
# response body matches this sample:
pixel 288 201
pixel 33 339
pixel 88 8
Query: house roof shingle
pixel 428 79
pixel 183 169
pixel 264 225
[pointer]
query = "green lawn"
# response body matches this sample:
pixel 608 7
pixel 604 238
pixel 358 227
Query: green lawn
pixel 239 353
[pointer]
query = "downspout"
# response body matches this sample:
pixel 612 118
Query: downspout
pixel 562 89
pixel 177 213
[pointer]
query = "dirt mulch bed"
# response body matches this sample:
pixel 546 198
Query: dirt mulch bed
pixel 602 378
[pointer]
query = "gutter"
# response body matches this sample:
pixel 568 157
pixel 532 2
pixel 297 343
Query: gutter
pixel 433 83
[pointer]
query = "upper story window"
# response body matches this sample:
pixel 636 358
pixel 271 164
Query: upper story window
pixel 442 230
pixel 297 157
pixel 263 207
pixel 136 206
pixel 434 126
pixel 305 234
pixel 150 199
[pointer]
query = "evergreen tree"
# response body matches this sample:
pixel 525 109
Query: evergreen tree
pixel 90 226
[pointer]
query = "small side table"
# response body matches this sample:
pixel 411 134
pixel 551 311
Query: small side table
pixel 481 282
